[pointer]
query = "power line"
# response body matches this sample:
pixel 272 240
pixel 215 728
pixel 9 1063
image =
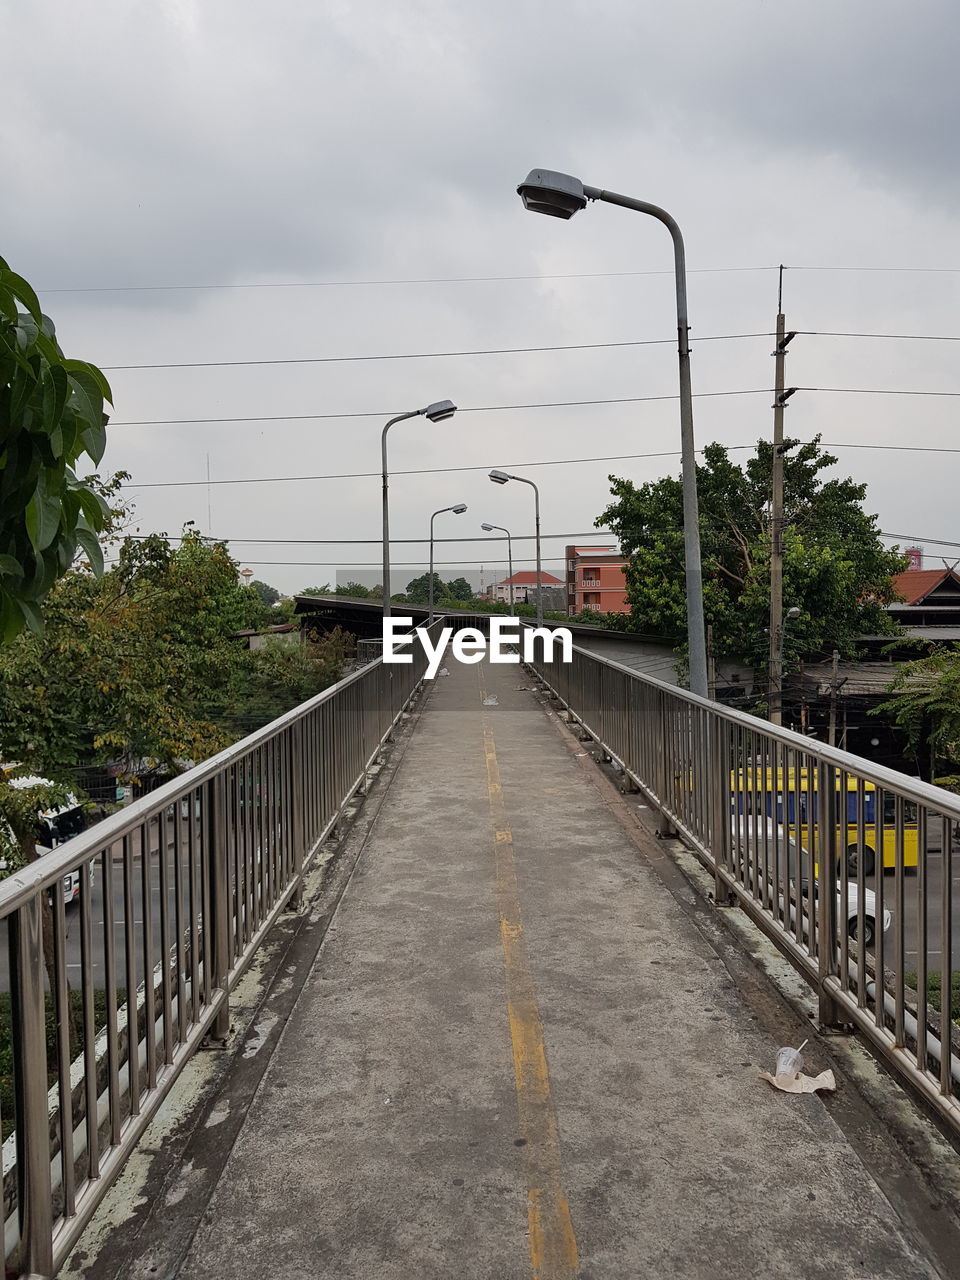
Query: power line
pixel 485 408
pixel 875 391
pixel 420 471
pixel 894 270
pixel 896 448
pixel 916 537
pixel 339 284
pixel 428 355
pixel 376 542
pixel 912 337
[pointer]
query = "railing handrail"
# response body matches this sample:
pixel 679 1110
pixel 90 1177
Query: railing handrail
pixel 48 870
pixel 904 784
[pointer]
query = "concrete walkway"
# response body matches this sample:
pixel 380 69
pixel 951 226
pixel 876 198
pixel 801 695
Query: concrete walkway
pixel 517 1056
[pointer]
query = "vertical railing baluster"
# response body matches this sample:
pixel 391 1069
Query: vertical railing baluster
pixel 215 841
pixel 34 1199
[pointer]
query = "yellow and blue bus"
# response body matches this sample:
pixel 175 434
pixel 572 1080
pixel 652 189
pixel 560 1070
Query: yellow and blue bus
pixel 788 802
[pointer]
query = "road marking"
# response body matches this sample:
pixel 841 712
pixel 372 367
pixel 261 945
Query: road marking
pixel 553 1245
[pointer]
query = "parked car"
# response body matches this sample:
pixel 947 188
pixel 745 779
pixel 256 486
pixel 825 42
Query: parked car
pixel 795 863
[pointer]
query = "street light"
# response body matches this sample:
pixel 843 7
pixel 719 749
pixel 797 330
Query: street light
pixel 501 477
pixel 489 528
pixel 439 411
pixel 561 196
pixel 458 510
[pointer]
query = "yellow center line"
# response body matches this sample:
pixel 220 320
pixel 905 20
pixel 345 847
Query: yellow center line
pixel 553 1245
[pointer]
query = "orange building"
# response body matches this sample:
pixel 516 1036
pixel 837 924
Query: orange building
pixel 595 580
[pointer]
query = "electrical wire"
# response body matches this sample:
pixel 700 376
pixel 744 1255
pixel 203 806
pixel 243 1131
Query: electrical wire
pixel 484 408
pixel 420 471
pixel 912 337
pixel 340 284
pixel 429 355
pixel 874 391
pixel 376 542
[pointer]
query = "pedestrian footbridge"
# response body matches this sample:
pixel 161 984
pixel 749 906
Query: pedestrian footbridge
pixel 475 978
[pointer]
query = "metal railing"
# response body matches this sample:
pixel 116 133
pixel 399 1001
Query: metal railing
pixel 799 834
pixel 175 894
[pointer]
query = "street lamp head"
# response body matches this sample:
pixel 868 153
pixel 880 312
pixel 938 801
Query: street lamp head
pixel 793 613
pixel 499 477
pixel 487 528
pixel 459 509
pixel 556 194
pixel 439 411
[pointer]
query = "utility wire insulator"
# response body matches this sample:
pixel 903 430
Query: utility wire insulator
pixel 785 342
pixel 784 396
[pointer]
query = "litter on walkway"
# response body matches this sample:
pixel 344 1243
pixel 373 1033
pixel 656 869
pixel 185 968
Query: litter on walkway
pixel 789 1075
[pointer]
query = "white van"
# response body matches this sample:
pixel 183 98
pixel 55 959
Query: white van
pixel 55 827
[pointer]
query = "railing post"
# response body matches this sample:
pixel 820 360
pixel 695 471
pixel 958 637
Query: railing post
pixel 824 854
pixel 665 828
pixel 722 817
pixel 219 877
pixel 297 764
pixel 34 1205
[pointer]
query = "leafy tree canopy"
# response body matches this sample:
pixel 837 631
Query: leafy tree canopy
pixel 140 664
pixel 269 595
pixel 418 590
pixel 925 704
pixel 835 569
pixel 51 414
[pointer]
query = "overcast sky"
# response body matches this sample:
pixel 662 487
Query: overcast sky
pixel 321 149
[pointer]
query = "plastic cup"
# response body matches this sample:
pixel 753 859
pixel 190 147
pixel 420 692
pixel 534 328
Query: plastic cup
pixel 789 1061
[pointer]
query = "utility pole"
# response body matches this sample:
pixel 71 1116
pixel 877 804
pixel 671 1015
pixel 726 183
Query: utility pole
pixel 711 667
pixel 832 730
pixel 775 679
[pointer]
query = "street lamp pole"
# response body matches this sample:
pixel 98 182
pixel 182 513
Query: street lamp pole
pixel 437 412
pixel 458 510
pixel 561 196
pixel 501 477
pixel 489 528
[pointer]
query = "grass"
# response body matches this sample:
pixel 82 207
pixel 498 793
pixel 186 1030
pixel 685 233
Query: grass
pixel 935 991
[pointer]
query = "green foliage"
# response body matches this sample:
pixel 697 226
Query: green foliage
pixel 283 673
pixel 141 664
pixel 925 703
pixel 835 569
pixel 325 590
pixel 19 806
pixel 458 589
pixel 418 591
pixel 267 594
pixel 76 1016
pixel 609 621
pixel 935 991
pixel 51 414
pixel 356 590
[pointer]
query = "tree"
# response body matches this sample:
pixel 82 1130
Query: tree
pixel 418 590
pixel 143 664
pixel 925 703
pixel 268 595
pixel 325 590
pixel 129 667
pixel 835 569
pixel 354 589
pixel 51 414
pixel 22 799
pixel 458 589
